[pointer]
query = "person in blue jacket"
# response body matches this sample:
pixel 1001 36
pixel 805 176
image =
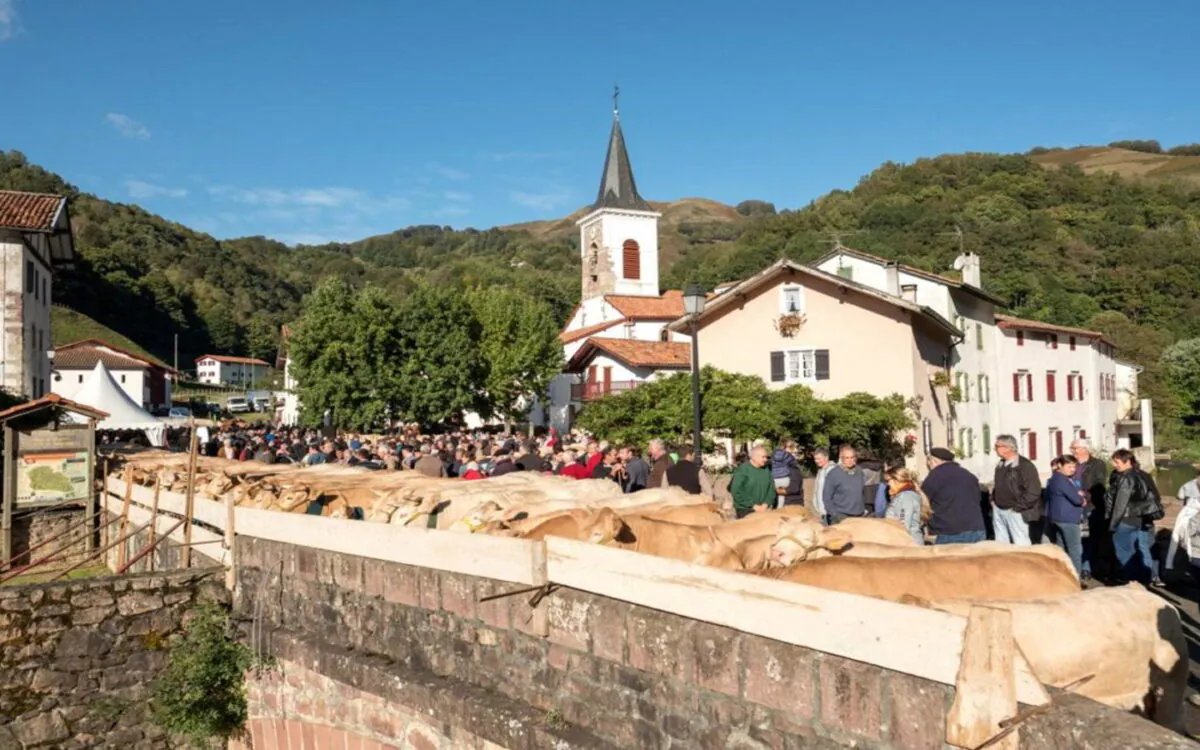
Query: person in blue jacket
pixel 1064 509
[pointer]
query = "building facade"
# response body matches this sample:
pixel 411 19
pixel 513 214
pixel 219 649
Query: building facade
pixel 35 238
pixel 238 372
pixel 1060 383
pixel 147 381
pixel 851 338
pixel 969 378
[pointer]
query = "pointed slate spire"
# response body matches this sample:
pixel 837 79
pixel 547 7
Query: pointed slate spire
pixel 617 188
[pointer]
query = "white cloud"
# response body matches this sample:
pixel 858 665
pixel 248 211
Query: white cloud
pixel 331 197
pixel 9 23
pixel 454 195
pixel 544 201
pixel 126 125
pixel 143 190
pixel 450 173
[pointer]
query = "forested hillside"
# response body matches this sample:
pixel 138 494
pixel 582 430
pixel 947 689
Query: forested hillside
pixel 1059 244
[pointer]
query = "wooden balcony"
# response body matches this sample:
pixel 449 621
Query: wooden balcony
pixel 599 389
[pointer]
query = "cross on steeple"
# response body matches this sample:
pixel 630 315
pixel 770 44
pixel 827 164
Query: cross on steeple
pixel 616 95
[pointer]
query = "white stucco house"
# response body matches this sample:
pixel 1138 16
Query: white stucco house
pixel 147 381
pixel 35 238
pixel 239 372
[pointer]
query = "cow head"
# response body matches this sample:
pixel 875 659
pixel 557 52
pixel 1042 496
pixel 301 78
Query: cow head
pixel 404 515
pixel 797 540
pixel 602 528
pixel 480 516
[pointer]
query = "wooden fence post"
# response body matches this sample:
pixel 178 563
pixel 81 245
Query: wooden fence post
pixel 230 570
pixel 986 687
pixel 123 550
pixel 154 517
pixel 190 506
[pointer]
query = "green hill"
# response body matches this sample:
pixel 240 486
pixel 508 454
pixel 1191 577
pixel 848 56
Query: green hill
pixel 69 326
pixel 1095 237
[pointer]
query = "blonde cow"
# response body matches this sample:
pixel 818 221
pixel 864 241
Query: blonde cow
pixel 1129 638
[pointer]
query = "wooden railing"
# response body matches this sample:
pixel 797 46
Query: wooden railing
pixel 599 389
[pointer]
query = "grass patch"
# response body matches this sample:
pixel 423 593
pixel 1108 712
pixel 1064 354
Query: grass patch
pixel 41 576
pixel 68 326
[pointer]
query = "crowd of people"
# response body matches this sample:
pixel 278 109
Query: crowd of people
pixel 1102 519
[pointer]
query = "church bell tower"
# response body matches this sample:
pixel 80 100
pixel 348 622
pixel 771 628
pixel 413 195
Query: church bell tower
pixel 618 238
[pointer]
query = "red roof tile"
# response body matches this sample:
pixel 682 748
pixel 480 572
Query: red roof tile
pixel 567 337
pixel 85 358
pixel 1009 322
pixel 667 307
pixel 234 360
pixel 93 343
pixel 50 399
pixel 664 354
pixel 33 212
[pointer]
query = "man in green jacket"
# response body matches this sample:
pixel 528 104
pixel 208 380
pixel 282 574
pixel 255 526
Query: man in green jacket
pixel 752 487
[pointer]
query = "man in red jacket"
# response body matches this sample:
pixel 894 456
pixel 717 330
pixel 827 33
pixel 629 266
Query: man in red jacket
pixel 573 469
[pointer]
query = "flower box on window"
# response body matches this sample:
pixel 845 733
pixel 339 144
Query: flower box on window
pixel 788 324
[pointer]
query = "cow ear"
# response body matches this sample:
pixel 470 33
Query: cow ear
pixel 835 540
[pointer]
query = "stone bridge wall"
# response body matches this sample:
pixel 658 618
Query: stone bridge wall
pixel 409 657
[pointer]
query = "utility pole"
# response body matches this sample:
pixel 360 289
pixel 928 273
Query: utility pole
pixel 177 352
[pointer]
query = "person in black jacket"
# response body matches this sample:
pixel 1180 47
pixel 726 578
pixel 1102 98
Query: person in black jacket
pixel 954 495
pixel 1092 475
pixel 1132 505
pixel 1016 494
pixel 687 475
pixel 795 488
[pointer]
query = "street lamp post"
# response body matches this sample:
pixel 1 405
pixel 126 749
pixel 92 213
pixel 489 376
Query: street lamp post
pixel 693 305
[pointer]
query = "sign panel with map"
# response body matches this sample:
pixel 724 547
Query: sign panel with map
pixel 52 477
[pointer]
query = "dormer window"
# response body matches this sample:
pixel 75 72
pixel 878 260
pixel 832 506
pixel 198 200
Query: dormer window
pixel 791 300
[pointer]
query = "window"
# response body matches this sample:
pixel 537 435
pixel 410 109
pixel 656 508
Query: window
pixel 962 381
pixel 1022 386
pixel 1029 438
pixel 979 336
pixel 664 335
pixel 1020 338
pixel 1056 439
pixel 45 292
pixel 1071 342
pixel 36 285
pixel 122 378
pixel 80 378
pixel 908 292
pixel 1051 340
pixel 985 389
pixel 631 259
pixel 628 329
pixel 846 272
pixel 966 442
pixel 799 365
pixel 1051 379
pixel 791 299
pixel 987 439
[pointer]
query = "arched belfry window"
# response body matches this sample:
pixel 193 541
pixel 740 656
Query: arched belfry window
pixel 631 259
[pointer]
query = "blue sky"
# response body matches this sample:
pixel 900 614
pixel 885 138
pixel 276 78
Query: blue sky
pixel 313 121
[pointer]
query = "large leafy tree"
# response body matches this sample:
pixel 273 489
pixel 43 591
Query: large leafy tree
pixel 518 341
pixel 440 372
pixel 1181 365
pixel 343 350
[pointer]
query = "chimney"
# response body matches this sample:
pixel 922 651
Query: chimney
pixel 892 275
pixel 968 263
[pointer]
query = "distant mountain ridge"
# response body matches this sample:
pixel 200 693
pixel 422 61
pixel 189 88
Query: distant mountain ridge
pixel 1124 162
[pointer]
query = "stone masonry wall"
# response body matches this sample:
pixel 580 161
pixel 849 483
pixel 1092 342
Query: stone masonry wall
pixel 31 529
pixel 610 674
pixel 77 658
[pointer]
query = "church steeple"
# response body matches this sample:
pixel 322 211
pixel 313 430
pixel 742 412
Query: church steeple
pixel 617 188
pixel 618 238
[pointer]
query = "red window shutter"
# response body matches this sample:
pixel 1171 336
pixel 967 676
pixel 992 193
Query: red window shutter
pixel 1058 443
pixel 1020 338
pixel 1054 341
pixel 1070 387
pixel 1016 386
pixel 1032 446
pixel 1083 434
pixel 1050 392
pixel 631 260
pixel 1029 385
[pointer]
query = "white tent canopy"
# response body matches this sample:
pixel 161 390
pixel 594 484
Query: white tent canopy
pixel 102 392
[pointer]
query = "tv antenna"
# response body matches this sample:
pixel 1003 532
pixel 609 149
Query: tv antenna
pixel 958 233
pixel 836 236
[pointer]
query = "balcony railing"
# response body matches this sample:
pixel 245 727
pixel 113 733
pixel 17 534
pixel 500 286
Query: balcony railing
pixel 599 389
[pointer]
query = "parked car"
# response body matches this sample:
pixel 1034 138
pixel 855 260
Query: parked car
pixel 237 405
pixel 179 412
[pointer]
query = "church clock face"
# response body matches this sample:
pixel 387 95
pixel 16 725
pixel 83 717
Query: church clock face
pixel 593 234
